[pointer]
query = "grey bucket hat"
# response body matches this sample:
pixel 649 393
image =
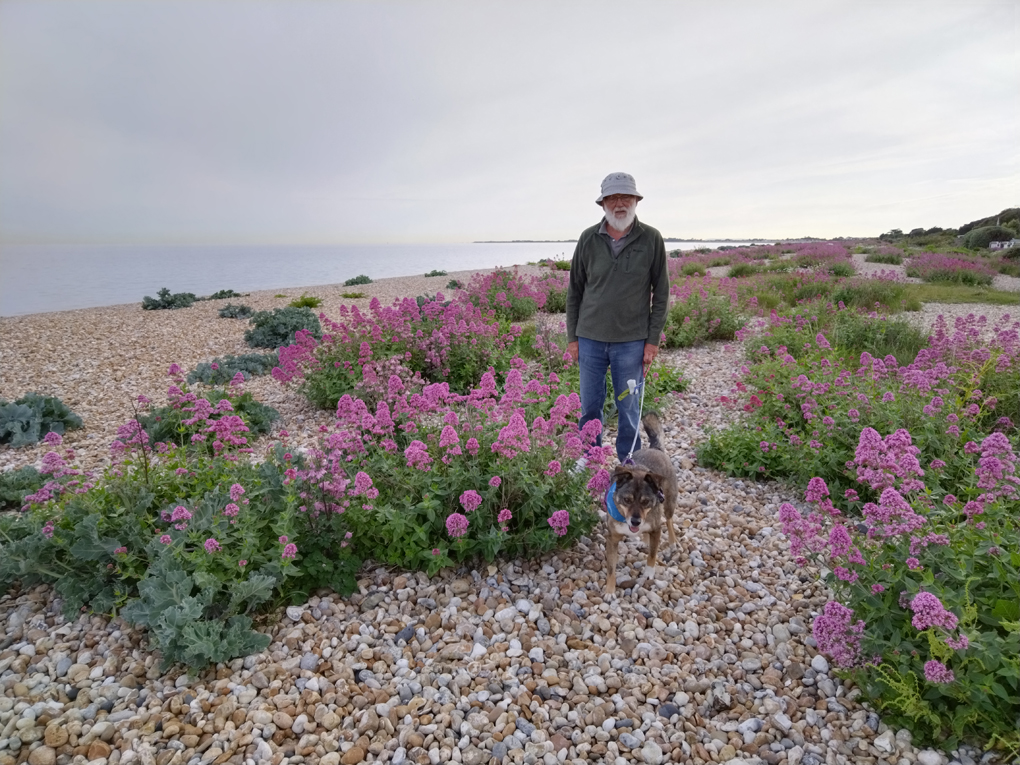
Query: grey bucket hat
pixel 618 183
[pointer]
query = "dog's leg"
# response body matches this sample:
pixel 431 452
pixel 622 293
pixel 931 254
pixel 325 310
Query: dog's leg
pixel 651 565
pixel 612 556
pixel 668 512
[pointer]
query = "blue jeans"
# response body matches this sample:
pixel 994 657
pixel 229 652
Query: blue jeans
pixel 625 360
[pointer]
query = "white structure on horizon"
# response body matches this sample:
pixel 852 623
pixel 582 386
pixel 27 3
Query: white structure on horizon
pixel 1014 242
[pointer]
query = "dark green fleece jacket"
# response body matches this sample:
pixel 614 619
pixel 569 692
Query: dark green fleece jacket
pixel 621 299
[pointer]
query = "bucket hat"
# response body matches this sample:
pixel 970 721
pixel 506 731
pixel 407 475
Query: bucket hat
pixel 618 183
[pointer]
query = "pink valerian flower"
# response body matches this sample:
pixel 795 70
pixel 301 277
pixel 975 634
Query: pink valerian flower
pixel 289 551
pixel 165 539
pixel 448 437
pixel 822 342
pixel 805 533
pixel 231 510
pixel 504 515
pixel 435 551
pixel 456 525
pixel 362 483
pixel 913 564
pixel 513 438
pixel 877 588
pixel 816 490
pixel 120 551
pixel 211 546
pixel 495 481
pixel 599 484
pixel 838 635
pixel 591 430
pixel 937 672
pixel 174 371
pixel 958 644
pixel 53 439
pixel 854 415
pixel 242 563
pixel 470 500
pixel 553 468
pixel 851 496
pixel 472 446
pixel 236 491
pixel 47 530
pixel 929 612
pixel 283 539
pixel 559 521
pixel 417 456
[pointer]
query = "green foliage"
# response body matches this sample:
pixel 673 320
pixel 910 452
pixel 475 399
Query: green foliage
pixel 842 269
pixel 958 293
pixel 189 545
pixel 166 301
pixel 16 484
pixel 453 284
pixel 891 259
pixel 271 329
pixel 1006 217
pixel 231 311
pixel 699 318
pixel 223 294
pixel 354 281
pixel 692 269
pixel 222 370
pixel 279 295
pixel 504 292
pixel 876 295
pixel 743 269
pixel 980 238
pixel 28 419
pixel 435 272
pixel 180 422
pixel 352 295
pixel 305 301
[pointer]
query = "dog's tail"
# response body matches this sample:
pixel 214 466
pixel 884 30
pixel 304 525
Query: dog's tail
pixel 653 427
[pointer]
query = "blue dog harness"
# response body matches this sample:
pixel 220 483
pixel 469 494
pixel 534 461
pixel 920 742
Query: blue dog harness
pixel 611 508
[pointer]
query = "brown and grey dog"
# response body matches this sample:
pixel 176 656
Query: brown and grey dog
pixel 640 495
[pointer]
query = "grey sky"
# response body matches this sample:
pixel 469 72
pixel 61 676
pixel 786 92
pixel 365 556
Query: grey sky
pixel 345 121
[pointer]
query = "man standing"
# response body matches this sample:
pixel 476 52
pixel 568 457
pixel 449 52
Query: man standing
pixel 616 306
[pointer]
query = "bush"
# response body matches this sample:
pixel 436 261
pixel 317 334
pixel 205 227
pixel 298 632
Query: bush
pixel 209 422
pixel 28 419
pixel 980 238
pixel 435 272
pixel 15 485
pixel 743 269
pixel 231 311
pixel 875 294
pixel 359 354
pixel 693 269
pixel 842 269
pixel 165 301
pixel 189 545
pixel 271 329
pixel 352 295
pixel 222 370
pixel 453 284
pixel 554 287
pixel 354 281
pixel 222 294
pixel 305 301
pixel 892 259
pixel 936 267
pixel 509 295
pixel 698 318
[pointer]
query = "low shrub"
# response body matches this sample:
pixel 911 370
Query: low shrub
pixel 936 267
pixel 272 329
pixel 506 293
pixel 892 259
pixel 453 284
pixel 223 370
pixel 305 301
pixel 693 269
pixel 841 269
pixel 354 281
pixel 15 485
pixel 27 420
pixel 352 295
pixel 208 422
pixel 875 295
pixel 554 286
pixel 980 238
pixel 223 294
pixel 164 300
pixel 435 272
pixel 699 317
pixel 231 311
pixel 742 269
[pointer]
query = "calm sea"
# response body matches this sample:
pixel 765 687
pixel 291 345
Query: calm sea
pixel 42 278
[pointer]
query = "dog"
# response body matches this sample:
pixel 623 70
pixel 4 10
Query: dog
pixel 639 496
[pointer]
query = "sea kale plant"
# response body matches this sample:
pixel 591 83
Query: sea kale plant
pixel 27 420
pixel 222 370
pixel 271 329
pixel 164 300
pixel 913 512
pixel 188 543
pixel 232 311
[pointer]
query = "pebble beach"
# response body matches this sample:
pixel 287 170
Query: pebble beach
pixel 708 659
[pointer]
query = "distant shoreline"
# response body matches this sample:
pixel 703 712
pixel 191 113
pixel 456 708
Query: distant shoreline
pixel 666 239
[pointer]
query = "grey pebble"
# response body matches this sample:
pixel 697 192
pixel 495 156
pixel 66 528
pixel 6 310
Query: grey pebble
pixel 406 634
pixel 630 741
pixel 668 710
pixel 499 750
pixel 309 661
pixel 525 727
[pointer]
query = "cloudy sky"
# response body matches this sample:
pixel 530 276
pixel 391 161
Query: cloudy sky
pixel 347 122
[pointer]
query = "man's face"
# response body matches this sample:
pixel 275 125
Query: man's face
pixel 620 210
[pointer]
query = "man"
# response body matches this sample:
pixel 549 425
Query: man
pixel 617 299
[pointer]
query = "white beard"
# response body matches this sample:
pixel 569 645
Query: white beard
pixel 621 223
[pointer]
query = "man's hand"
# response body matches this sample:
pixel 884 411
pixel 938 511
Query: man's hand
pixel 572 350
pixel 651 351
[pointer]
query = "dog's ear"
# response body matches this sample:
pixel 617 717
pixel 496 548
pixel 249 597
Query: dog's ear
pixel 622 472
pixel 655 481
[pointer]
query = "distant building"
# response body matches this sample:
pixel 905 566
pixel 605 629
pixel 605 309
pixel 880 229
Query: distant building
pixel 1004 245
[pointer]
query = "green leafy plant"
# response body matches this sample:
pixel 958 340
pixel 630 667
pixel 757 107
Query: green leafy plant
pixel 698 317
pixel 842 269
pixel 231 311
pixel 435 272
pixel 15 485
pixel 305 301
pixel 271 329
pixel 28 419
pixel 222 370
pixel 892 259
pixel 164 300
pixel 352 295
pixel 742 269
pixel 356 280
pixel 453 284
pixel 279 295
pixel 692 269
pixel 223 294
